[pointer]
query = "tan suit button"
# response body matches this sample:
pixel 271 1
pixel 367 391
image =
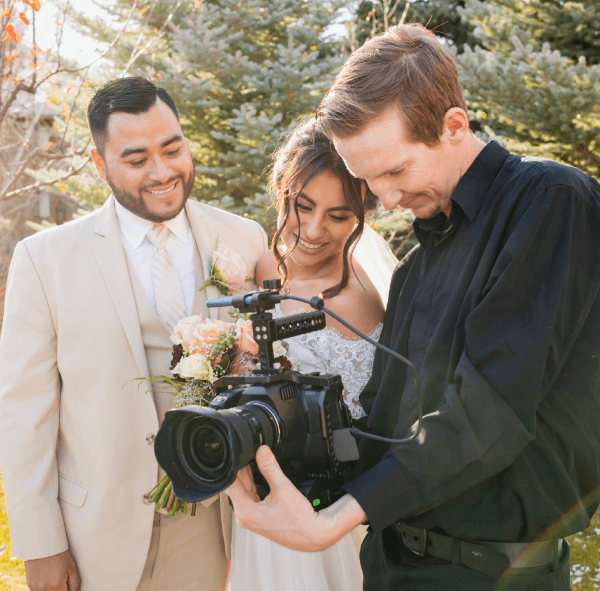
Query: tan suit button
pixel 150 439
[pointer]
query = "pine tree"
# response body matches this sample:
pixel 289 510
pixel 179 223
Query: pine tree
pixel 241 74
pixel 533 82
pixel 441 16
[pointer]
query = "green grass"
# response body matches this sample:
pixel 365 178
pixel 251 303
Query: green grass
pixel 585 557
pixel 12 572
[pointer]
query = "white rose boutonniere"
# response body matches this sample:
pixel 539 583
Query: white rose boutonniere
pixel 228 271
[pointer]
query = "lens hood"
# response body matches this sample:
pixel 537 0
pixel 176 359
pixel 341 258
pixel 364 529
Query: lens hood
pixel 202 449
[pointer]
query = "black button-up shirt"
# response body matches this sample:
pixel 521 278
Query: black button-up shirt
pixel 498 308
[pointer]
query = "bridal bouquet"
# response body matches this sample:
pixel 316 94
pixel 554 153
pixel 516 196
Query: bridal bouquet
pixel 203 351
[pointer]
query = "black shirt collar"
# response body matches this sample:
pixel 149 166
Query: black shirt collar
pixel 469 193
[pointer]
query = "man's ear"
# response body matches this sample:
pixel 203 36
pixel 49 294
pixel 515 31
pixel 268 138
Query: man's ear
pixel 99 162
pixel 456 125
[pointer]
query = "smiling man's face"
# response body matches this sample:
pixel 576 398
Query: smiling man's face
pixel 400 172
pixel 147 163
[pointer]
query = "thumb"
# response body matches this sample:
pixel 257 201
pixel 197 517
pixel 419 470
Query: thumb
pixel 270 469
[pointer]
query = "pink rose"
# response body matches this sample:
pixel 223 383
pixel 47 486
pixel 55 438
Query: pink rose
pixel 183 333
pixel 224 326
pixel 243 332
pixel 230 264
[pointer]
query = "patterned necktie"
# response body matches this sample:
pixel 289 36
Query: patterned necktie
pixel 168 295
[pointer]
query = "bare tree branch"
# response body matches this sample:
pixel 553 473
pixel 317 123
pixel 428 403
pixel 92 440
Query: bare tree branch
pixel 18 173
pixel 37 185
pixel 158 35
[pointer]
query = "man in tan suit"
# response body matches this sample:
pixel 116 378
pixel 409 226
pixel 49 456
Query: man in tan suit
pixel 84 317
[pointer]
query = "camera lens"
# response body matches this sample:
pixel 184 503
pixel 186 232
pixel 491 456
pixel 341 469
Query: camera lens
pixel 202 449
pixel 210 448
pixel 205 449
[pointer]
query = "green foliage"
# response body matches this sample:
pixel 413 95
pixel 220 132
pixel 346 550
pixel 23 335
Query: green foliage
pixel 521 89
pixel 569 27
pixel 396 227
pixel 440 16
pixel 241 73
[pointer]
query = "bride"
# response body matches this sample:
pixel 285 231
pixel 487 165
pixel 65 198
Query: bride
pixel 321 214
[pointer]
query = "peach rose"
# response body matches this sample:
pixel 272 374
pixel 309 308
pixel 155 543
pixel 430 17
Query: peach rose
pixel 224 326
pixel 183 333
pixel 243 332
pixel 207 334
pixel 230 264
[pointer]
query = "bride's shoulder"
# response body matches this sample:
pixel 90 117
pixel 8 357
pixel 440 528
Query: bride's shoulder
pixel 359 303
pixel 266 268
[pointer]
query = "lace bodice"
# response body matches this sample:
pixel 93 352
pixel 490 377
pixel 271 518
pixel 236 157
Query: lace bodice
pixel 328 351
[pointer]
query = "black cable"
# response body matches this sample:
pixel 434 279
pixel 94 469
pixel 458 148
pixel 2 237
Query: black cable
pixel 319 304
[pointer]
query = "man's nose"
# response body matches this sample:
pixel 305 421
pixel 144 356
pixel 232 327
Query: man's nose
pixel 161 170
pixel 388 195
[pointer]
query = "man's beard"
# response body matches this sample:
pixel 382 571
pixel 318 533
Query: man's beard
pixel 137 206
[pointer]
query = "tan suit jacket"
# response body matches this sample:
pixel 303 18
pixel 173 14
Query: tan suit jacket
pixel 74 455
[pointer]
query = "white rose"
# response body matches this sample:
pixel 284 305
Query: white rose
pixel 230 264
pixel 279 349
pixel 195 366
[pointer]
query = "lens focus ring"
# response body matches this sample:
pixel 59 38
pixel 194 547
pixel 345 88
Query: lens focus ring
pixel 264 420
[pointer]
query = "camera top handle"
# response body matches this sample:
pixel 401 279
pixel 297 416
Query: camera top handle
pixel 266 330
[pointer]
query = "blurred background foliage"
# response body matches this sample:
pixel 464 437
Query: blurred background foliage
pixel 243 74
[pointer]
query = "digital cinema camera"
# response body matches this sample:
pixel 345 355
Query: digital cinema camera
pixel 301 417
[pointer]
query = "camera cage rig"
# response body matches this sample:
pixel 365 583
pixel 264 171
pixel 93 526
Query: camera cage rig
pixel 266 330
pixel 198 471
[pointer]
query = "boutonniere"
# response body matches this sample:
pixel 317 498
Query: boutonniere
pixel 227 271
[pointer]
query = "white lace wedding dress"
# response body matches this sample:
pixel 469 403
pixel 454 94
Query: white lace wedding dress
pixel 261 565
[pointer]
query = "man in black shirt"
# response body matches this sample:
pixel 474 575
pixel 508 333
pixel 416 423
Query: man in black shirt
pixel 498 307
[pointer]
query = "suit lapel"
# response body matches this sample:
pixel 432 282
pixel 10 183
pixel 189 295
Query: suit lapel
pixel 205 237
pixel 110 255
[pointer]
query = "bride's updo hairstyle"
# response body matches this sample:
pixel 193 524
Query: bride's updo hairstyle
pixel 306 153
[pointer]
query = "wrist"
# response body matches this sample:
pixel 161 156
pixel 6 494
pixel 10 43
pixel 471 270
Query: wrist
pixel 339 519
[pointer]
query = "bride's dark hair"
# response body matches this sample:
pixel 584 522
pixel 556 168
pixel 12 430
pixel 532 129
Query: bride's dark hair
pixel 306 153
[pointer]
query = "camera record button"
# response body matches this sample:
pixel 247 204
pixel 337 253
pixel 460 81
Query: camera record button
pixel 150 439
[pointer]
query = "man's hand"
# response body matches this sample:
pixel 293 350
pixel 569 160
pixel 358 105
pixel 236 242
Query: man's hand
pixel 54 573
pixel 286 516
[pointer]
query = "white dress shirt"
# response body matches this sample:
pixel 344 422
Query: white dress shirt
pixel 180 246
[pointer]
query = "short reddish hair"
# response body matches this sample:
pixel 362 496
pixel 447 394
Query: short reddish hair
pixel 405 66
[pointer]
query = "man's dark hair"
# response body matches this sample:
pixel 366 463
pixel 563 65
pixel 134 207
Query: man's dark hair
pixel 126 95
